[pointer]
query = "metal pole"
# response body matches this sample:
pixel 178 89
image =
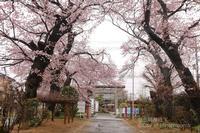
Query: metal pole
pixel 133 85
pixel 132 98
pixel 131 110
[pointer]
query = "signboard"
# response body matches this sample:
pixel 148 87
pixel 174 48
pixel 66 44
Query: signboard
pixel 81 106
pixel 92 105
pixel 123 110
pixel 136 111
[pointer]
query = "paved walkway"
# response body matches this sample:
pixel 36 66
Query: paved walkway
pixel 106 123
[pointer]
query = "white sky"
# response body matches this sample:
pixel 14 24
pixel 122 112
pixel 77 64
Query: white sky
pixel 111 38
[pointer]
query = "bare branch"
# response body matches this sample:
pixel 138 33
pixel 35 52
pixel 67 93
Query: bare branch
pixel 178 9
pixel 89 54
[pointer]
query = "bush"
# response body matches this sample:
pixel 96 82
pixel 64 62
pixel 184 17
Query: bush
pixel 35 121
pixel 196 128
pixel 35 115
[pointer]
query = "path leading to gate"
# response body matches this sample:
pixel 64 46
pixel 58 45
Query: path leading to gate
pixel 107 123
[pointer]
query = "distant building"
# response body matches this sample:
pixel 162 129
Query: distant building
pixel 111 96
pixel 6 85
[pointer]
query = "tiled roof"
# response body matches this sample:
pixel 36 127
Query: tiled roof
pixel 13 81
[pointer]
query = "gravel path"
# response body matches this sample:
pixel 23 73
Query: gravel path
pixel 106 123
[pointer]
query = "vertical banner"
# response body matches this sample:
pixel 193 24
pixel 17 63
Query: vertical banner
pixel 96 106
pixel 92 105
pixel 81 106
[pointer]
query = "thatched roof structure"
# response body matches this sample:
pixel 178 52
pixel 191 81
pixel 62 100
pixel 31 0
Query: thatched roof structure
pixel 56 98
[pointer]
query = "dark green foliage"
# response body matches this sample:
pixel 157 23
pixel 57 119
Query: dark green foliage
pixel 35 121
pixel 183 112
pixel 32 116
pixel 182 99
pixel 100 99
pixel 70 92
pixel 35 113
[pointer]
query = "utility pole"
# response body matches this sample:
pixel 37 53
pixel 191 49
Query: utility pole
pixel 132 97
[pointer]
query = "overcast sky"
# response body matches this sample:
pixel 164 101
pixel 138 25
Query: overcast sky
pixel 111 38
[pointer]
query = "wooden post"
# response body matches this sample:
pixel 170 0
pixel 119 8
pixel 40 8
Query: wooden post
pixel 87 110
pixel 126 112
pixel 65 113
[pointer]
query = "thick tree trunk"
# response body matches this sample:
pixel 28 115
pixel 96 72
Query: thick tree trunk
pixel 171 49
pixel 162 99
pixel 72 119
pixel 157 103
pixel 41 61
pixel 65 113
pixel 68 118
pixel 184 73
pixel 34 78
pixel 51 107
pixel 52 113
pixel 187 79
pixel 56 73
pixel 164 94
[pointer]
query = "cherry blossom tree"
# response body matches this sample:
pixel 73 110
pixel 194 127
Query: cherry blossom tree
pixel 84 70
pixel 171 47
pixel 160 80
pixel 41 47
pixel 169 25
pixel 49 24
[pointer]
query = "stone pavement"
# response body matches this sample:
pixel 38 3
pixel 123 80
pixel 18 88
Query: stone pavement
pixel 107 123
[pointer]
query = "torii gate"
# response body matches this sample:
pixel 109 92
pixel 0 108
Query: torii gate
pixel 115 92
